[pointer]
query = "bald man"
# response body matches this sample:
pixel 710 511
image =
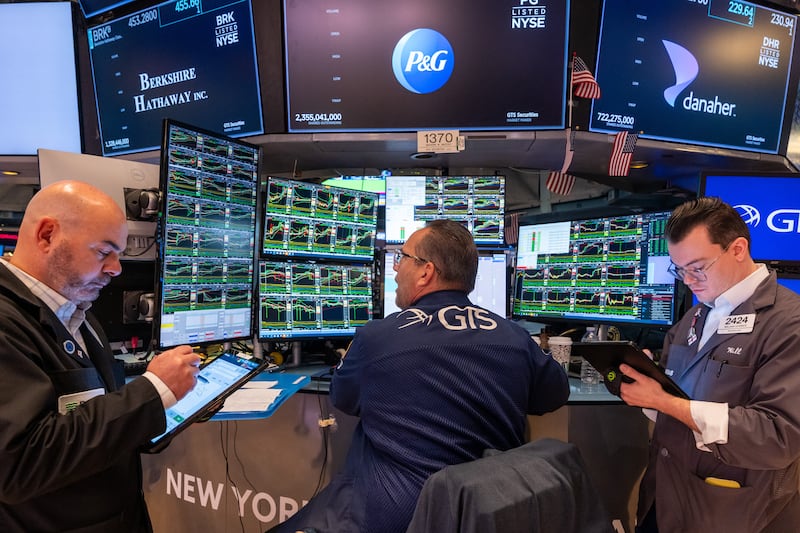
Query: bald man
pixel 70 428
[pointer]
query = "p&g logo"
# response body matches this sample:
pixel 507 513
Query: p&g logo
pixel 422 61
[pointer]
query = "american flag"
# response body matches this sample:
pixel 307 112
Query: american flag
pixel 622 153
pixel 559 182
pixel 511 228
pixel 583 83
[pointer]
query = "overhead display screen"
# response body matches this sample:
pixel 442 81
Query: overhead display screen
pixel 770 205
pixel 39 94
pixel 380 65
pixel 706 72
pixel 188 60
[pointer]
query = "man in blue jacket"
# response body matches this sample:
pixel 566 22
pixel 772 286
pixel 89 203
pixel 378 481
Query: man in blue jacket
pixel 434 384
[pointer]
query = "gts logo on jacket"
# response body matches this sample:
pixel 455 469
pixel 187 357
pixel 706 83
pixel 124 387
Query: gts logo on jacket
pixel 451 317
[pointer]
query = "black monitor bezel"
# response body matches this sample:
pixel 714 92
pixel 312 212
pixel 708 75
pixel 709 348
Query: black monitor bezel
pixel 167 123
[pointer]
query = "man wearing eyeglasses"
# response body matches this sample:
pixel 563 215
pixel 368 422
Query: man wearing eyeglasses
pixel 435 384
pixel 728 459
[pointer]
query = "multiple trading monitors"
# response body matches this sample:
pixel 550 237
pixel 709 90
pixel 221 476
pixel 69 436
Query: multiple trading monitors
pixel 608 270
pixel 705 73
pixel 770 205
pixel 310 220
pixel 306 299
pixel 380 65
pixel 207 260
pixel 477 202
pixel 317 250
pixel 175 59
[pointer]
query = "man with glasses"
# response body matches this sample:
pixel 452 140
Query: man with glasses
pixel 728 459
pixel 435 384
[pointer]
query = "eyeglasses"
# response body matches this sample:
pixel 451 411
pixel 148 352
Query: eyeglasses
pixel 400 254
pixel 697 274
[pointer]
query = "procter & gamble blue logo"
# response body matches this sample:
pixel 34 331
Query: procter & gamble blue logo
pixel 422 61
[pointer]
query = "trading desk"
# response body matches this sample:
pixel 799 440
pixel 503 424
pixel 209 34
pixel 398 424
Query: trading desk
pixel 248 474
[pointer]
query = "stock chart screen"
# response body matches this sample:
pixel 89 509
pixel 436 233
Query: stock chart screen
pixel 476 202
pixel 298 300
pixel 610 269
pixel 207 227
pixel 318 221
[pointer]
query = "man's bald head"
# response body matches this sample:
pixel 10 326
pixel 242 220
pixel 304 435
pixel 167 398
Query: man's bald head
pixel 70 238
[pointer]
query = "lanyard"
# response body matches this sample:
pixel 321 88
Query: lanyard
pixel 691 338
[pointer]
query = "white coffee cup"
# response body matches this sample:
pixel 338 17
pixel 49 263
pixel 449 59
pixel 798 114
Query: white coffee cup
pixel 561 347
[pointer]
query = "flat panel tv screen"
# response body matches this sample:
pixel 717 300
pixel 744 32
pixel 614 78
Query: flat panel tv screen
pixel 711 73
pixel 39 89
pixel 312 300
pixel 491 283
pixel 318 221
pixel 598 270
pixel 379 65
pixel 478 202
pixel 207 224
pixel 768 203
pixel 189 61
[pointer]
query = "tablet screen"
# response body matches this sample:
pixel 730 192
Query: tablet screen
pixel 216 380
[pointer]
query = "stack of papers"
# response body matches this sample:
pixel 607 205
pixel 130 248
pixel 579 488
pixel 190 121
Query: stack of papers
pixel 253 396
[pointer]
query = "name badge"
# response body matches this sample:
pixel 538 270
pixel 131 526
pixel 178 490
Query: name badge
pixel 69 402
pixel 737 324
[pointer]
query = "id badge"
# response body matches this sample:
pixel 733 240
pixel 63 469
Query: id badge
pixel 737 324
pixel 69 402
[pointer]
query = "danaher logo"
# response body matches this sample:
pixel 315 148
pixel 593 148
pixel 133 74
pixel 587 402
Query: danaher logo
pixel 778 221
pixel 686 69
pixel 422 61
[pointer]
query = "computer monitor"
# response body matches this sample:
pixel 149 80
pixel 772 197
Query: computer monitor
pixel 189 61
pixel 207 226
pixel 705 73
pixel 491 283
pixel 313 221
pixel 300 300
pixel 769 202
pixel 597 270
pixel 383 65
pixel 39 99
pixel 477 202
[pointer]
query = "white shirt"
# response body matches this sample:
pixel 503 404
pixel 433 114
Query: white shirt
pixel 712 417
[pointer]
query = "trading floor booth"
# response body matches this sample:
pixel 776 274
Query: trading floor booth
pixel 249 474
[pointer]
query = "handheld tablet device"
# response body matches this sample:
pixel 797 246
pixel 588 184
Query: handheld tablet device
pixel 608 355
pixel 216 381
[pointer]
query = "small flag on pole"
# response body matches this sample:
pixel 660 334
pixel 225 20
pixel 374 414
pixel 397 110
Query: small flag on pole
pixel 583 83
pixel 559 182
pixel 511 228
pixel 622 153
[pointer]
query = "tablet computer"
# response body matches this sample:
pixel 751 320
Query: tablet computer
pixel 606 357
pixel 216 381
